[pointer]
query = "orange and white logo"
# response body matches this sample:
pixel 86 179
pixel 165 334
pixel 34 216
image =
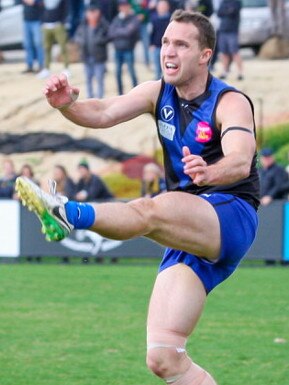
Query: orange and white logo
pixel 204 132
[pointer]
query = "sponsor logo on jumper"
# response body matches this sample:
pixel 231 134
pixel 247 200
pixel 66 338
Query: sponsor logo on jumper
pixel 166 130
pixel 167 113
pixel 204 132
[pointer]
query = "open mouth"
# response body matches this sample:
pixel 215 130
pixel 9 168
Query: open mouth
pixel 171 67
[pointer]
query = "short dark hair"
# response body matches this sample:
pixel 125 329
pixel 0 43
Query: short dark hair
pixel 207 34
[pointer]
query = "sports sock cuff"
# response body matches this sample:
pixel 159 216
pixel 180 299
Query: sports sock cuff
pixel 80 215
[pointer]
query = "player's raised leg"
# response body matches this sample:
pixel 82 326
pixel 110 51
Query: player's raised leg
pixel 164 218
pixel 175 219
pixel 176 304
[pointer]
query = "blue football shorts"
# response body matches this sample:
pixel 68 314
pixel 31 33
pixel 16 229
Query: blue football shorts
pixel 238 224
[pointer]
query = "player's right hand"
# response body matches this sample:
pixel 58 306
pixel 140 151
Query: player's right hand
pixel 59 93
pixel 195 167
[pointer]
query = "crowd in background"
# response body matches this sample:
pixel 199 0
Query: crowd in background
pixel 87 186
pixel 93 24
pixel 84 186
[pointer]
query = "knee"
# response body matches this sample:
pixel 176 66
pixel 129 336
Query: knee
pixel 145 207
pixel 165 362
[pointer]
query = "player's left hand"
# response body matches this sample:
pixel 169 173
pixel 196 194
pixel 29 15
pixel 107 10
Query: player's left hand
pixel 195 167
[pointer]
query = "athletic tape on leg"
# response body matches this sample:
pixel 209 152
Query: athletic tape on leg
pixel 171 380
pixel 155 345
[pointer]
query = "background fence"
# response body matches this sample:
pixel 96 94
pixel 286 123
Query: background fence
pixel 20 236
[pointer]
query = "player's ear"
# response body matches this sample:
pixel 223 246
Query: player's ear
pixel 206 55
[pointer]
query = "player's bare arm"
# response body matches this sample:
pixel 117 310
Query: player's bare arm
pixel 235 119
pixel 101 113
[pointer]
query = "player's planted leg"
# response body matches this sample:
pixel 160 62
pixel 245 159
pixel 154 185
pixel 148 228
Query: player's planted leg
pixel 176 304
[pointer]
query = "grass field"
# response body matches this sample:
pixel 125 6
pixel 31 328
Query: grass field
pixel 85 325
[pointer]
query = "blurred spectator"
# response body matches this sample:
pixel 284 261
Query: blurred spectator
pixel 109 8
pixel 153 182
pixel 33 42
pixel 27 171
pixel 174 4
pixel 7 181
pixel 273 178
pixel 90 187
pixel 124 32
pixel 203 6
pixel 92 37
pixel 75 16
pixel 141 9
pixel 216 23
pixel 65 185
pixel 177 4
pixel 152 5
pixel 228 39
pixel 159 22
pixel 54 18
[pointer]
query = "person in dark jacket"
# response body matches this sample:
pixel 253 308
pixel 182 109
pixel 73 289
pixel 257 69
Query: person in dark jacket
pixel 124 33
pixel 90 187
pixel 159 22
pixel 32 12
pixel 228 39
pixel 273 178
pixel 109 8
pixel 92 38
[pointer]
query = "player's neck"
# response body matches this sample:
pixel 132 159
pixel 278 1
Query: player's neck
pixel 193 88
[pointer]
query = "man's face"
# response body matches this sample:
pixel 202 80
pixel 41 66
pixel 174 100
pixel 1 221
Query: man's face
pixel 8 168
pixel 124 9
pixel 267 161
pixel 181 56
pixel 163 7
pixel 83 172
pixel 93 16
